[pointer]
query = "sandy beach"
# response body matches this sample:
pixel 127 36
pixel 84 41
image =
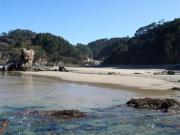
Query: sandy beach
pixel 135 78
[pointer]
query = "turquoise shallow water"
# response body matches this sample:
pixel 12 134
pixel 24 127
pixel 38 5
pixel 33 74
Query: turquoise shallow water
pixel 21 93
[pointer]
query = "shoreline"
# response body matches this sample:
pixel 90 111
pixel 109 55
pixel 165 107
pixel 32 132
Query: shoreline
pixel 124 78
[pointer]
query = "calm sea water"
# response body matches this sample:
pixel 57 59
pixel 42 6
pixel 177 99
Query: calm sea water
pixel 21 93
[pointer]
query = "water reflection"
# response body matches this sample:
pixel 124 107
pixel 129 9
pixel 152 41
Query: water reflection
pixel 27 90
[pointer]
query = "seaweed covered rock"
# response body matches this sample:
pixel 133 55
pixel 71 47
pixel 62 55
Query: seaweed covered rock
pixel 56 114
pixel 3 125
pixel 156 104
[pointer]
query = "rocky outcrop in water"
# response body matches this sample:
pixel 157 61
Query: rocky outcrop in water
pixel 56 114
pixel 164 105
pixel 3 125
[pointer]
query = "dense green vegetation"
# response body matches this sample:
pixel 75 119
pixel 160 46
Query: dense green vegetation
pixel 48 47
pixel 156 43
pixel 101 49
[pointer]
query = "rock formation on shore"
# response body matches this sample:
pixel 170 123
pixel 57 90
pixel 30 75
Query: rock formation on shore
pixel 164 105
pixel 25 61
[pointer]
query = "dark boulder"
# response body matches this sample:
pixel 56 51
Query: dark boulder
pixel 4 68
pixel 62 69
pixel 170 72
pixel 12 67
pixel 3 125
pixel 56 114
pixel 175 88
pixel 156 104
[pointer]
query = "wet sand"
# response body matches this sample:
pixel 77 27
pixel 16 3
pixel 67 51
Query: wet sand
pixel 133 78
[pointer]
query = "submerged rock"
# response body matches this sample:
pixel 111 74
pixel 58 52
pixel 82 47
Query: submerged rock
pixel 56 114
pixel 156 104
pixel 3 125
